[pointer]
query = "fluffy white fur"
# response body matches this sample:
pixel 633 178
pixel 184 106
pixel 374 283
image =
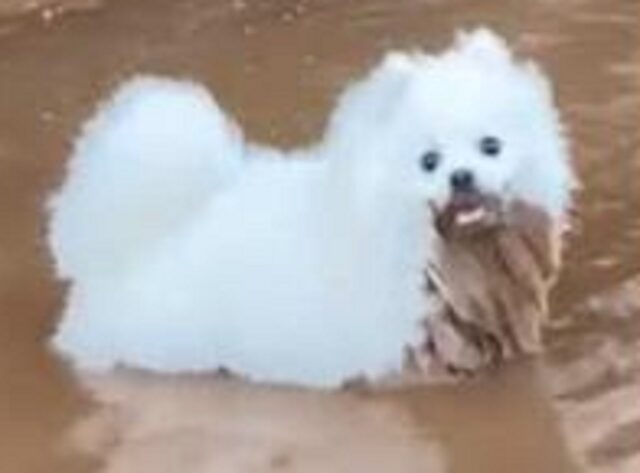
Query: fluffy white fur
pixel 188 249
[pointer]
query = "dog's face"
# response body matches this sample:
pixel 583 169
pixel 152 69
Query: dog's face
pixel 469 130
pixel 479 140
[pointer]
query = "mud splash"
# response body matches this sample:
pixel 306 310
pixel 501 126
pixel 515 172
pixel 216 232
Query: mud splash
pixel 277 66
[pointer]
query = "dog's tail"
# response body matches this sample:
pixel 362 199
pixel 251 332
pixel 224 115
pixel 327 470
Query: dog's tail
pixel 144 166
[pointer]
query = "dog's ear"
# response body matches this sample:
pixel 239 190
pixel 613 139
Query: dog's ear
pixel 482 45
pixel 548 179
pixel 368 104
pixel 398 63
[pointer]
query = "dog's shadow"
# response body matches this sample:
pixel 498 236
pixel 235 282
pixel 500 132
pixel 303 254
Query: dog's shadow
pixel 145 423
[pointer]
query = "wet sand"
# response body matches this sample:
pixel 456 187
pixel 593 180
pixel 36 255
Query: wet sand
pixel 277 67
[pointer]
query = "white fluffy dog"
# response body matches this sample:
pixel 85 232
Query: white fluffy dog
pixel 188 249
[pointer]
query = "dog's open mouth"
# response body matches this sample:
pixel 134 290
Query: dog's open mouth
pixel 467 213
pixel 468 208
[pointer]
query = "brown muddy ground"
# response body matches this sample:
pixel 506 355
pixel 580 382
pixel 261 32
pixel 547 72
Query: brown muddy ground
pixel 277 66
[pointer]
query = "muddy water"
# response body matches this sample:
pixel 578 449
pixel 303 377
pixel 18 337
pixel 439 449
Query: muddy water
pixel 276 66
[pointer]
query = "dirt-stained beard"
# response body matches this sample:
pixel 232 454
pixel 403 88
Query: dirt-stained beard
pixel 493 284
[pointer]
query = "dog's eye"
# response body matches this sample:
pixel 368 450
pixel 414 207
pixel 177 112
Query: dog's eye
pixel 430 160
pixel 490 146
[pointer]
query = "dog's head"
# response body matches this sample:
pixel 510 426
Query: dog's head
pixel 465 132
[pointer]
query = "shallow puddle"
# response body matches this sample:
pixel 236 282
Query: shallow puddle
pixel 277 67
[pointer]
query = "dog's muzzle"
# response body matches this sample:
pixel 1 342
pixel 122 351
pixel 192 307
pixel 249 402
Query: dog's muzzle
pixel 468 210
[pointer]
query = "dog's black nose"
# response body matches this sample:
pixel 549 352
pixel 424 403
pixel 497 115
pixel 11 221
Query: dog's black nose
pixel 462 180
